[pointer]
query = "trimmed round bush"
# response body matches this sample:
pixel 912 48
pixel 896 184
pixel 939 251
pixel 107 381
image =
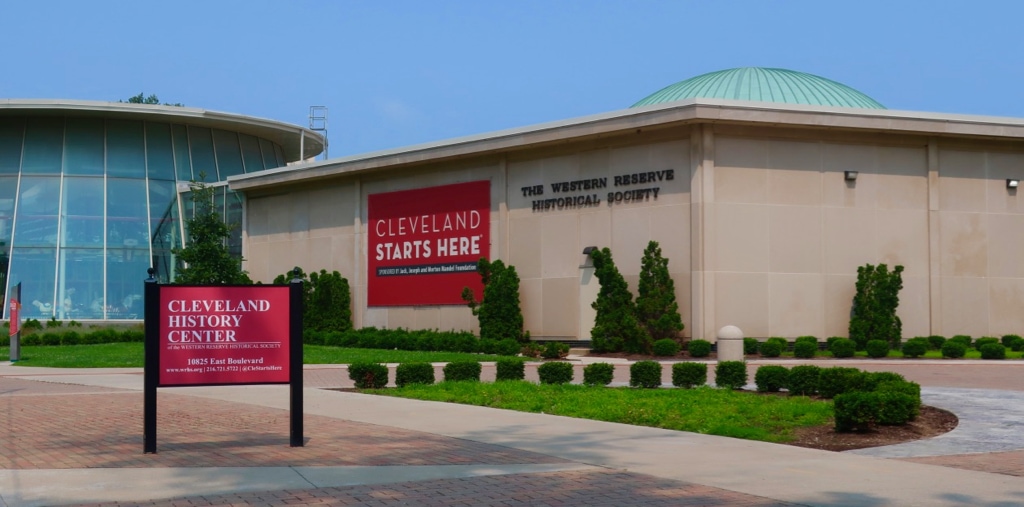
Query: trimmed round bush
pixel 368 375
pixel 699 348
pixel 953 349
pixel 770 349
pixel 1017 344
pixel 771 378
pixel 783 343
pixel 964 339
pixel 750 346
pixel 666 347
pixel 809 339
pixel 731 374
pixel 414 373
pixel 645 374
pixel 984 340
pixel 456 371
pixel 872 380
pixel 843 347
pixel 510 369
pixel 935 341
pixel 855 411
pixel 877 348
pixel 911 389
pixel 896 408
pixel 830 341
pixel 915 347
pixel 805 349
pixel 598 374
pixel 1008 339
pixel 506 347
pixel 554 350
pixel 555 372
pixel 993 351
pixel 689 375
pixel 838 380
pixel 803 380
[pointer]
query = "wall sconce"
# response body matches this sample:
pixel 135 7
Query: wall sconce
pixel 850 175
pixel 588 250
pixel 1012 183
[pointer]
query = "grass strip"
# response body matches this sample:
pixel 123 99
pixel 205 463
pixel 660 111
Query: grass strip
pixel 703 410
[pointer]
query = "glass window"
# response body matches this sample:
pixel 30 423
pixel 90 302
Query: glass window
pixel 38 203
pixel 127 217
pixel 34 268
pixel 44 144
pixel 163 214
pixel 83 147
pixel 182 162
pixel 269 158
pixel 12 131
pixel 126 149
pixel 82 212
pixel 203 162
pixel 229 156
pixel 8 189
pixel 233 217
pixel 251 153
pixel 126 270
pixel 159 155
pixel 80 291
pixel 280 155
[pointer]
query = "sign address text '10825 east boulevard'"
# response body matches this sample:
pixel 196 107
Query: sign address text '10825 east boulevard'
pixel 424 244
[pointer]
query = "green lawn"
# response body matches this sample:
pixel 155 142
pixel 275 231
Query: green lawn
pixel 111 355
pixel 704 410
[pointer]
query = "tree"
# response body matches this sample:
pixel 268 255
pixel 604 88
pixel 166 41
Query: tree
pixel 206 256
pixel 616 327
pixel 499 312
pixel 141 98
pixel 874 306
pixel 656 306
pixel 326 300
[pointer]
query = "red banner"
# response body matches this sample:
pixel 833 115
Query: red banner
pixel 424 244
pixel 223 335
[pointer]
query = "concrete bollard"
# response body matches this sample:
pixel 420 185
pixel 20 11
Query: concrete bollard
pixel 730 344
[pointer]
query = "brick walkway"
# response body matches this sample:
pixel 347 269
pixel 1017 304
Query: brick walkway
pixel 598 489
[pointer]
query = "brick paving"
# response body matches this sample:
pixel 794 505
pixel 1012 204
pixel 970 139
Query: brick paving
pixel 1006 463
pixel 597 489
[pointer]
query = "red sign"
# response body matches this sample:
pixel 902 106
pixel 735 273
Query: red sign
pixel 15 318
pixel 223 335
pixel 424 244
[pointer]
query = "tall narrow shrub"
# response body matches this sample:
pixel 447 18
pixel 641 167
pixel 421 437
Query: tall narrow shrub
pixel 499 312
pixel 616 327
pixel 656 305
pixel 326 300
pixel 874 306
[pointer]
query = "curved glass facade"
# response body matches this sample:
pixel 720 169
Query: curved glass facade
pixel 88 204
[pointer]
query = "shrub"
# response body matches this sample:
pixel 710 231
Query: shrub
pixel 368 375
pixel 874 305
pixel 462 370
pixel 963 339
pixel 499 312
pixel 984 340
pixel 731 374
pixel 805 349
pixel 656 306
pixel 896 408
pixel 510 369
pixel 871 380
pixel 53 322
pixel 31 325
pixel 770 349
pixel 506 347
pixel 831 340
pixel 1006 340
pixel 414 373
pixel 699 348
pixel 666 347
pixel 74 323
pixel 646 374
pixel 750 346
pixel 993 351
pixel 556 372
pixel 555 350
pixel 531 349
pixel 783 343
pixel 877 348
pixel 72 338
pixel 953 349
pixel 803 380
pixel 689 375
pixel 1017 344
pixel 855 411
pixel 915 347
pixel 936 341
pixel 771 378
pixel 838 380
pixel 598 374
pixel 911 389
pixel 843 347
pixel 616 326
pixel 808 339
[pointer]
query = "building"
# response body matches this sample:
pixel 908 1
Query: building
pixel 766 189
pixel 91 195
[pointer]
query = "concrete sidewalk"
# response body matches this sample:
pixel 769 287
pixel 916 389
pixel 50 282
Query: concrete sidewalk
pixel 742 472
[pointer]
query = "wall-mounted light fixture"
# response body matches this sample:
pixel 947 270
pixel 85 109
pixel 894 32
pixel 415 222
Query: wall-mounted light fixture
pixel 1012 183
pixel 850 175
pixel 588 250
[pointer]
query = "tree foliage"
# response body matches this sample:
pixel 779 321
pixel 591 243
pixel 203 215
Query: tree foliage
pixel 142 98
pixel 874 306
pixel 656 305
pixel 499 312
pixel 616 326
pixel 326 300
pixel 206 256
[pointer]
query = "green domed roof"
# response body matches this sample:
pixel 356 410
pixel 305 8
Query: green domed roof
pixel 764 85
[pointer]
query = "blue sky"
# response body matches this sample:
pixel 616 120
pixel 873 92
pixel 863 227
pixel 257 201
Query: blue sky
pixel 394 73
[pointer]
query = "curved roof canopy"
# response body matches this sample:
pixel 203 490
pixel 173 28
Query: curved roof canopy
pixel 764 85
pixel 289 137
